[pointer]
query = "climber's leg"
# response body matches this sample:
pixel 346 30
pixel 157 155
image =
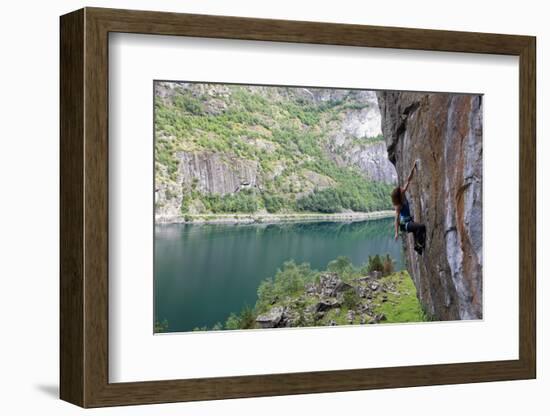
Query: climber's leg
pixel 419 233
pixel 422 235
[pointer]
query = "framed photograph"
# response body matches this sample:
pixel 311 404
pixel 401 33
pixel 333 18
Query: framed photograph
pixel 255 207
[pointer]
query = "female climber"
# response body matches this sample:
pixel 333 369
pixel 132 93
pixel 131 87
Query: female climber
pixel 403 218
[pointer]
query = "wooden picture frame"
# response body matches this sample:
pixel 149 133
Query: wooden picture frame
pixel 84 207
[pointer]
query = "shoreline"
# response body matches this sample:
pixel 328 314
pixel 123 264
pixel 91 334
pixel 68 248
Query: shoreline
pixel 265 218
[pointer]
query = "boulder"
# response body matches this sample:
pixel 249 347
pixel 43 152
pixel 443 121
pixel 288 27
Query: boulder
pixel 362 291
pixel 375 274
pixel 341 288
pixel 311 289
pixel 326 304
pixel 377 318
pixel 272 318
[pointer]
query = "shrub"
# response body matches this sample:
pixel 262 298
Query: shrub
pixel 290 280
pixel 375 264
pixel 273 203
pixel 186 199
pixel 350 299
pixel 217 326
pixel 342 264
pixel 326 200
pixel 247 318
pixel 266 295
pixel 188 104
pixel 233 322
pixel 243 201
pixel 301 320
pixel 161 326
pixel 387 266
pixel 200 328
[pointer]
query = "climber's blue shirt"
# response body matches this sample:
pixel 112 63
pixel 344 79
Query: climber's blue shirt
pixel 405 212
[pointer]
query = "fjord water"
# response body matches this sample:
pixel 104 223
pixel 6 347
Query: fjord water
pixel 202 273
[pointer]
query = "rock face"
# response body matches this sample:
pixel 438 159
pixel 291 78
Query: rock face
pixel 349 143
pixel 443 132
pixel 271 319
pixel 372 160
pixel 364 121
pixel 207 172
pixel 215 173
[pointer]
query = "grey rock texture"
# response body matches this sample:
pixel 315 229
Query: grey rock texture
pixel 373 161
pixel 208 172
pixel 363 122
pixel 443 132
pixel 216 173
pixel 272 318
pixel 350 144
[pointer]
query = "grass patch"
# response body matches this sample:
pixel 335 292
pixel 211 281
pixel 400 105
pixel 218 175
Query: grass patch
pixel 404 307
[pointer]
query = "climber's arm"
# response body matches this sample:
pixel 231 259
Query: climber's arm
pixel 397 210
pixel 404 189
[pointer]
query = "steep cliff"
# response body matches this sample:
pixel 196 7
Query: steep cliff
pixel 443 132
pixel 355 139
pixel 288 149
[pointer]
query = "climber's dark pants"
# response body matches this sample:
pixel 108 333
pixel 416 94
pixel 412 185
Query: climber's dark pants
pixel 418 230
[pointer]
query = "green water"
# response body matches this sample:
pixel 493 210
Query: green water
pixel 205 272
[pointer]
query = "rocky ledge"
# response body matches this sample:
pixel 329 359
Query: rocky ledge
pixel 332 301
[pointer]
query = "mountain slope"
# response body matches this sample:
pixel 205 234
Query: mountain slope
pixel 228 148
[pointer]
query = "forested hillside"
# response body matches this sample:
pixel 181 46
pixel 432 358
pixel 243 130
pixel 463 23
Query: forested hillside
pixel 245 149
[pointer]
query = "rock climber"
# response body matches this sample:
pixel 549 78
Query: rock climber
pixel 403 218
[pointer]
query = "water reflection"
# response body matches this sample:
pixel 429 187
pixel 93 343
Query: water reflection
pixel 205 272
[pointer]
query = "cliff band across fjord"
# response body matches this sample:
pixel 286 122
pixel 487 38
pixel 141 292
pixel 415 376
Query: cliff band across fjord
pixel 443 132
pixel 223 148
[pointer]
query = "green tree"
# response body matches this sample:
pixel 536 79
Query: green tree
pixel 387 266
pixel 375 264
pixel 161 326
pixel 341 264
